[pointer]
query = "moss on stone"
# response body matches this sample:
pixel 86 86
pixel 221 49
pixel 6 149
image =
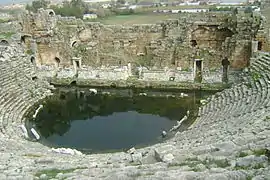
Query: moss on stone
pixel 242 154
pixel 52 173
pixel 259 152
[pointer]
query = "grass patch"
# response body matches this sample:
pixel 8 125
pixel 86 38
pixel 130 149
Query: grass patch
pixel 255 76
pixel 32 155
pixel 52 173
pixel 6 35
pixel 4 20
pixel 256 166
pixel 259 152
pixel 222 163
pixel 267 118
pixel 193 162
pixel 243 154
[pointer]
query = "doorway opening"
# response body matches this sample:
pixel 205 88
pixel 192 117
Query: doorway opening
pixel 33 60
pixel 77 64
pixel 198 65
pixel 23 39
pixel 225 64
pixel 57 62
pixel 260 45
pixel 193 43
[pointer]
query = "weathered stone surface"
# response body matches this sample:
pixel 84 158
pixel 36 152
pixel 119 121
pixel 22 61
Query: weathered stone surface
pixel 164 50
pixel 161 153
pixel 226 141
pixel 252 160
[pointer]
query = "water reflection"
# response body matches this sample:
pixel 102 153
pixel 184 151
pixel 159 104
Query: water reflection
pixel 116 118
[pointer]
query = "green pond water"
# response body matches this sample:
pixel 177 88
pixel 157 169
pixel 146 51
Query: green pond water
pixel 112 119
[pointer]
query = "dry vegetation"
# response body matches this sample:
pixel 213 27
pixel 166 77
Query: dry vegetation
pixel 138 18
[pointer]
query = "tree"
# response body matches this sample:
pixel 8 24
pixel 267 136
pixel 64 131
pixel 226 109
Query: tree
pixel 121 1
pixel 78 4
pixel 75 8
pixel 37 4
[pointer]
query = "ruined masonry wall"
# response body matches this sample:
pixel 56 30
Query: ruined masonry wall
pixel 173 44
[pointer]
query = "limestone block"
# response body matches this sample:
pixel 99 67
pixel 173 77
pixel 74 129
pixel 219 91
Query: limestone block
pixel 251 161
pixel 160 153
pixel 168 158
pixel 66 151
pixel 136 157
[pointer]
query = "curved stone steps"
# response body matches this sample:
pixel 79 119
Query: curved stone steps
pixel 226 126
pixel 238 100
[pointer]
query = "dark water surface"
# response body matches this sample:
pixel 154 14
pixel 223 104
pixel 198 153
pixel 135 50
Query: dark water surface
pixel 112 119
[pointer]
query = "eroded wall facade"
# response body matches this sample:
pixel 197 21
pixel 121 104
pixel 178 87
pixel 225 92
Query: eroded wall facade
pixel 173 44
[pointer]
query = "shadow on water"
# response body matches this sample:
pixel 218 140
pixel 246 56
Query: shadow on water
pixel 112 119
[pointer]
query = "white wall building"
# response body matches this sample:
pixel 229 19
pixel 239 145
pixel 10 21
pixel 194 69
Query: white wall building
pixel 89 16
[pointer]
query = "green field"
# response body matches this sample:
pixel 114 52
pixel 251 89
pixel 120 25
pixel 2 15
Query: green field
pixel 138 18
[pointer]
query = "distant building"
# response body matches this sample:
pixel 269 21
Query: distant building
pixel 89 16
pixel 106 6
pixel 190 3
pixel 228 2
pixel 5 16
pixel 96 1
pixel 132 7
pixel 193 10
pixel 145 4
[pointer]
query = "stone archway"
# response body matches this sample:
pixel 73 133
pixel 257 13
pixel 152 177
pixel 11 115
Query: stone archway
pixel 73 83
pixel 205 36
pixel 74 44
pixel 4 42
pixel 51 13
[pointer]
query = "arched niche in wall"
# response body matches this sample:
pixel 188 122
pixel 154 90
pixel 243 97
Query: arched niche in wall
pixel 21 26
pixel 57 61
pixel 225 32
pixel 199 36
pixel 74 43
pixel 73 83
pixel 34 78
pixel 51 12
pixel 4 42
pixel 209 36
pixel 193 43
pixel 222 34
pixel 33 60
pixel 24 38
pixel 34 26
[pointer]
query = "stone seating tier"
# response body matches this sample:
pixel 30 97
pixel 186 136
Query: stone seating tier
pixel 232 121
